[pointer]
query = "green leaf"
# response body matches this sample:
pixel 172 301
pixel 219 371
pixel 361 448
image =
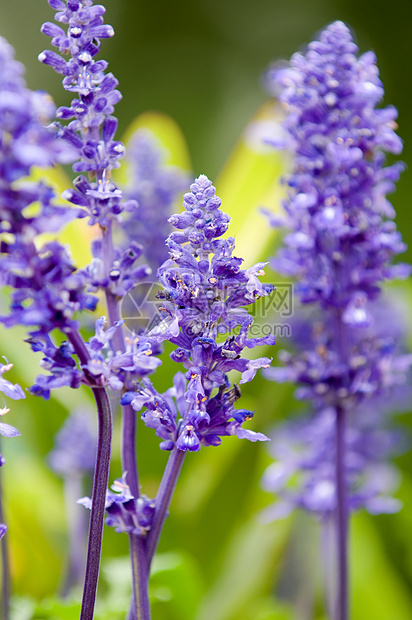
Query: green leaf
pixel 378 591
pixel 53 609
pixel 249 565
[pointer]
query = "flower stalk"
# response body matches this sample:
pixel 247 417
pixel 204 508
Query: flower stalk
pixel 163 499
pixel 342 520
pixel 100 483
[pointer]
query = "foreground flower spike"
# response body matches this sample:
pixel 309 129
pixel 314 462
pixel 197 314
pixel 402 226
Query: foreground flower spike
pixel 155 186
pixel 202 312
pixel 341 239
pixel 203 299
pixel 89 127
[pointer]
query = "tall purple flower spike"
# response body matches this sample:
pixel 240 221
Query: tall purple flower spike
pixel 88 126
pixel 202 312
pixel 342 237
pixel 203 299
pixel 92 127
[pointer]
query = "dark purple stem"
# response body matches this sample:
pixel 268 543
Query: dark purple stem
pixel 163 499
pixel 342 508
pixel 5 568
pixel 140 572
pixel 129 462
pixel 100 482
pixel 341 516
pixel 140 608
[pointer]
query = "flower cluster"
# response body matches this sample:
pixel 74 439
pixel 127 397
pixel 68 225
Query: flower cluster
pixel 91 128
pixel 373 363
pixel 13 391
pixel 303 474
pixel 340 246
pixel 104 368
pixel 123 273
pixel 124 512
pixel 121 368
pixel 46 289
pixel 155 186
pixel 342 238
pixel 203 298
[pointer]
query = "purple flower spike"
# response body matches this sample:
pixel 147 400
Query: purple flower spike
pixel 303 474
pixel 92 127
pixel 342 239
pixel 203 299
pixel 340 247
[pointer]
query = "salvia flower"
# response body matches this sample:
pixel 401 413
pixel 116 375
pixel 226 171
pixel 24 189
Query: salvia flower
pixel 303 473
pixel 123 274
pixel 342 237
pixel 340 247
pixel 125 512
pixel 91 128
pixel 46 289
pixel 116 369
pixel 13 391
pixel 104 368
pixel 203 298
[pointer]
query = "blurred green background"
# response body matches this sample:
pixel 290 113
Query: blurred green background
pixel 201 63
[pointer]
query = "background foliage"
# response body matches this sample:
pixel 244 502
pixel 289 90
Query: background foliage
pixel 201 64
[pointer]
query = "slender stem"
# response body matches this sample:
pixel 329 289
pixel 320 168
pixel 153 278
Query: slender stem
pixel 141 606
pixel 100 482
pixel 163 499
pixel 5 568
pixel 129 462
pixel 341 517
pixel 328 555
